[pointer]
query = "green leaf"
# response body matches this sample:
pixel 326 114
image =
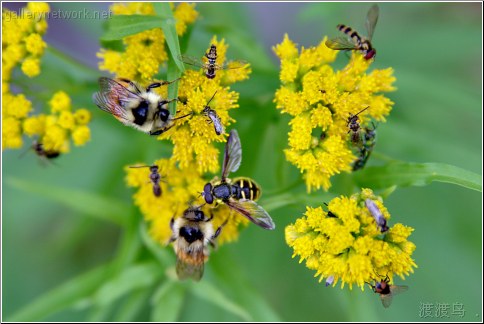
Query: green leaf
pixel 173 73
pixel 416 174
pixel 120 26
pixel 131 279
pixel 62 297
pixel 168 24
pixel 102 208
pixel 167 302
pixel 208 292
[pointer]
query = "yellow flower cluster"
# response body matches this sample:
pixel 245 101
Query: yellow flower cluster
pixel 22 45
pixel 194 152
pixel 22 42
pixel 193 136
pixel 179 187
pixel 55 129
pixel 320 101
pixel 346 244
pixel 144 52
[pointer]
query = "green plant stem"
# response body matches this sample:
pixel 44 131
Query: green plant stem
pixel 63 56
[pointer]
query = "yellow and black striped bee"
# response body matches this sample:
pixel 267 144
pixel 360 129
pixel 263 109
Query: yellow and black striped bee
pixel 191 234
pixel 135 106
pixel 357 42
pixel 236 194
pixel 211 66
pixel 387 291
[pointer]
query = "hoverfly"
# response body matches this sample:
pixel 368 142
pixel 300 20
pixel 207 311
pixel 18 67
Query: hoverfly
pixel 211 66
pixel 135 106
pixel 377 215
pixel 357 42
pixel 369 141
pixel 236 194
pixel 213 117
pixel 192 233
pixel 354 126
pixel 387 291
pixel 155 178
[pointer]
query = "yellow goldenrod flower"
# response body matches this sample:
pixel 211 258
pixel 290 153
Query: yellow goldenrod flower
pixel 38 7
pixel 184 13
pixel 193 136
pixel 81 135
pixel 34 125
pixel 144 52
pixel 60 102
pixel 179 189
pixel 34 44
pixel 82 116
pixel 66 120
pixel 321 100
pixel 31 67
pixel 346 243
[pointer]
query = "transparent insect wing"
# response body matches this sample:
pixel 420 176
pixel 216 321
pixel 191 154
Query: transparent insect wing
pixel 396 289
pixel 255 213
pixel 371 20
pixel 233 154
pixel 217 123
pixel 386 300
pixel 235 64
pixel 340 43
pixel 113 97
pixel 190 265
pixel 190 60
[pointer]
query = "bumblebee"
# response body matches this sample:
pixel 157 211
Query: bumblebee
pixel 387 291
pixel 155 178
pixel 191 234
pixel 211 65
pixel 357 42
pixel 377 215
pixel 236 193
pixel 135 106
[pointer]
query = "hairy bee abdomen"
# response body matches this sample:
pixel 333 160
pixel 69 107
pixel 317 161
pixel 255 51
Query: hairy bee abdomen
pixel 249 189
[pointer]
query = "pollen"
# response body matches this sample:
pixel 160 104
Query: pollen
pixel 346 245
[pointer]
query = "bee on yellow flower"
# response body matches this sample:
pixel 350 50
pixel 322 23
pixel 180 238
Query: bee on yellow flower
pixel 321 101
pixel 180 188
pixel 347 243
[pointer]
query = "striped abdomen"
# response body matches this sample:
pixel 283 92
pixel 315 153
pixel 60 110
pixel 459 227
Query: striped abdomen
pixel 353 34
pixel 362 44
pixel 249 189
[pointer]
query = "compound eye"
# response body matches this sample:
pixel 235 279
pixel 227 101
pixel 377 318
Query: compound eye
pixel 163 113
pixel 208 198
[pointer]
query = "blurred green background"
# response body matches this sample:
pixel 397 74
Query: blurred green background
pixel 436 51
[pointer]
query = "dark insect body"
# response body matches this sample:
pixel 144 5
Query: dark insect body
pixel 236 193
